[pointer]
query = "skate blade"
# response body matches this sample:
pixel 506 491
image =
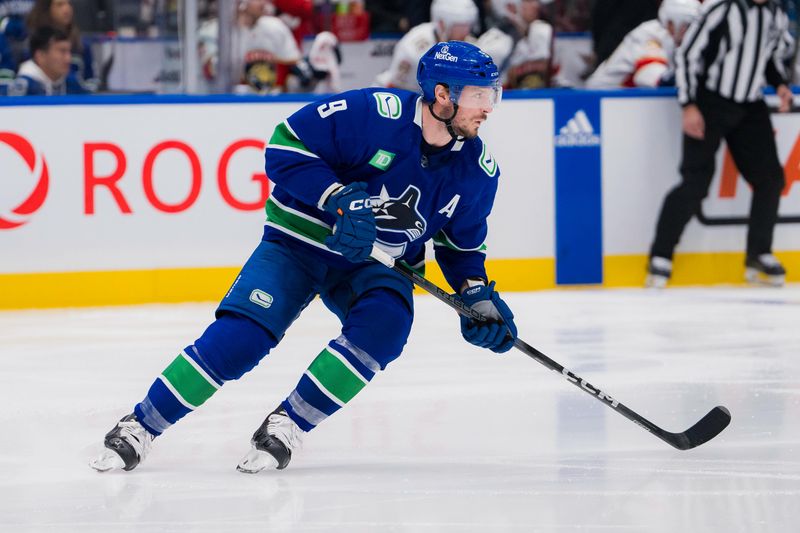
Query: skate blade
pixel 759 278
pixel 255 461
pixel 655 282
pixel 108 460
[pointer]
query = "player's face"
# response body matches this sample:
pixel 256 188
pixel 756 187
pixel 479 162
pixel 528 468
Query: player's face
pixel 61 12
pixel 474 106
pixel 458 32
pixel 468 121
pixel 255 8
pixel 529 10
pixel 677 31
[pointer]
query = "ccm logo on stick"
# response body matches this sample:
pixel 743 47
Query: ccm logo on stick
pixel 585 386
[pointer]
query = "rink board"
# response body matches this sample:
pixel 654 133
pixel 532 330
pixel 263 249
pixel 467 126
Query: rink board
pixel 116 200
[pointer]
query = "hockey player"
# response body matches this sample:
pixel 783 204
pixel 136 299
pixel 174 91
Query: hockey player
pixel 530 63
pixel 520 42
pixel 645 56
pixel 364 168
pixel 450 20
pixel 261 44
pixel 319 71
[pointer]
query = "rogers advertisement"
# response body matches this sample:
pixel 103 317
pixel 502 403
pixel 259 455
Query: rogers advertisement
pixel 127 187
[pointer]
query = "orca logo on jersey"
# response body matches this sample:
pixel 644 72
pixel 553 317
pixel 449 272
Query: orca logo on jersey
pixel 399 215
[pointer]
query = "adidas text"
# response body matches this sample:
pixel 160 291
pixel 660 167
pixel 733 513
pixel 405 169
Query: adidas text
pixel 577 132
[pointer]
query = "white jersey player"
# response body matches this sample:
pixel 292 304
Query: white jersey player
pixel 450 20
pixel 531 39
pixel 260 43
pixel 645 56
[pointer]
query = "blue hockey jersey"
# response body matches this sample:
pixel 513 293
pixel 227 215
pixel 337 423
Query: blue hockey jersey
pixel 418 193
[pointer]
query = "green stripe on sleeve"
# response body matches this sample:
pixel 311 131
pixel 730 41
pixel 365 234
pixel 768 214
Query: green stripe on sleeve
pixel 283 136
pixel 286 219
pixel 441 239
pixel 335 376
pixel 188 382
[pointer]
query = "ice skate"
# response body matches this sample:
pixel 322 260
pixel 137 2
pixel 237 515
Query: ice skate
pixel 764 269
pixel 127 444
pixel 273 443
pixel 659 270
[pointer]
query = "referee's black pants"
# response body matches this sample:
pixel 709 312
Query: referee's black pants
pixel 748 131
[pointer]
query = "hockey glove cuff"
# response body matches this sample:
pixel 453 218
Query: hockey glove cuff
pixel 499 331
pixel 354 231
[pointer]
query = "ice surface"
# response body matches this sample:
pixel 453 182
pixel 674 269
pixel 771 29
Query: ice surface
pixel 451 438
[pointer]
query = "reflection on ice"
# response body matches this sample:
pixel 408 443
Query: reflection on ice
pixel 451 438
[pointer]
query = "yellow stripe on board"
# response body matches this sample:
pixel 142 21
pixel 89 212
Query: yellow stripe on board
pixel 510 274
pixel 82 289
pixel 691 269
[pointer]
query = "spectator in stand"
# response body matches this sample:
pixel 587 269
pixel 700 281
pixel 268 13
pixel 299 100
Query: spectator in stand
pixel 7 65
pixel 47 72
pixel 12 30
pixel 612 20
pixel 59 14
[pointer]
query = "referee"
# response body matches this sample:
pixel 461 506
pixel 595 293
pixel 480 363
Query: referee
pixel 727 55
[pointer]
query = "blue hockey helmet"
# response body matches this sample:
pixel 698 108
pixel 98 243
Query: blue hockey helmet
pixel 457 65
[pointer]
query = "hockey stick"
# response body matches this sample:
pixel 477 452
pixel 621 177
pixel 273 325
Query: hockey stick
pixel 703 431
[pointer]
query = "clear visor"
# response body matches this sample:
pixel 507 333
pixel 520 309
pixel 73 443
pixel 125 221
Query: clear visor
pixel 477 97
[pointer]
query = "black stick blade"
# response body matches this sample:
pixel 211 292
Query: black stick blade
pixel 704 430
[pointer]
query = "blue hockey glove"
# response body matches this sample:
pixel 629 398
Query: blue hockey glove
pixel 354 232
pixel 499 332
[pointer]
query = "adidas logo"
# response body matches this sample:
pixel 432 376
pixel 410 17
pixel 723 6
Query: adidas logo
pixel 578 132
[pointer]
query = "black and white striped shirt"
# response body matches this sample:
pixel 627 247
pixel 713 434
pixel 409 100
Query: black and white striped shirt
pixel 732 48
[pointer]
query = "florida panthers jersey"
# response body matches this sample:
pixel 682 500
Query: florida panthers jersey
pixel 402 72
pixel 257 51
pixel 529 64
pixel 417 193
pixel 643 59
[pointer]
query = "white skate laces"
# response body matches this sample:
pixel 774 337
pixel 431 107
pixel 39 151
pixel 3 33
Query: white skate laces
pixel 135 445
pixel 282 427
pixel 272 444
